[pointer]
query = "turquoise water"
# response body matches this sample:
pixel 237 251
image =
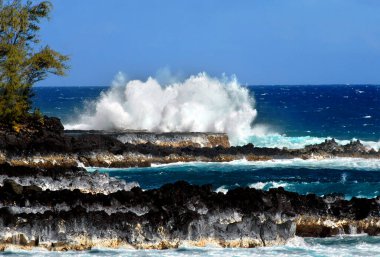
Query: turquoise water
pixel 348 176
pixel 337 246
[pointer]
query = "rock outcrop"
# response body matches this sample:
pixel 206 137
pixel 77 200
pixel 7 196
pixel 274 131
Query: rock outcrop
pixel 170 139
pixel 48 144
pixel 173 215
pixel 58 178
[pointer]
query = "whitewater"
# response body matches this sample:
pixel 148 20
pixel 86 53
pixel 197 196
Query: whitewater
pixel 198 104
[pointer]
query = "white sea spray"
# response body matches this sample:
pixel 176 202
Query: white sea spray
pixel 198 104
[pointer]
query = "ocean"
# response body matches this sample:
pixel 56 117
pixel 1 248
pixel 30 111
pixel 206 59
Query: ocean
pixel 293 116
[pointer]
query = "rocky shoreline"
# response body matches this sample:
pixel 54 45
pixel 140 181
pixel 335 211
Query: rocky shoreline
pixel 124 215
pixel 47 198
pixel 49 145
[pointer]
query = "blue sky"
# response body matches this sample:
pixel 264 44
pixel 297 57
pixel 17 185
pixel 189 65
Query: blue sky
pixel 260 41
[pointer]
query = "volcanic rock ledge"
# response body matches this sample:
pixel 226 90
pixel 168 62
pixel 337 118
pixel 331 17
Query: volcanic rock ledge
pixel 174 215
pixel 60 178
pixel 170 139
pixel 47 144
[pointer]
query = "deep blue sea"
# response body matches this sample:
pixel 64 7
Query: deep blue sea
pixel 297 116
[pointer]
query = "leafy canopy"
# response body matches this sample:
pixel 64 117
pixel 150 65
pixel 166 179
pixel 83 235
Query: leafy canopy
pixel 23 62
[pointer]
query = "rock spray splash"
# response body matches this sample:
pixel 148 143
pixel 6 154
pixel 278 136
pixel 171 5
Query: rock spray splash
pixel 198 104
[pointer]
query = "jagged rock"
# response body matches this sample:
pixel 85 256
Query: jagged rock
pixel 175 214
pixel 59 178
pixel 34 136
pixel 329 146
pixel 174 139
pixel 50 138
pixel 331 198
pixel 12 187
pixel 355 147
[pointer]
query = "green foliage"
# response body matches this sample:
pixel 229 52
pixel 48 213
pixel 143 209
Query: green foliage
pixel 23 62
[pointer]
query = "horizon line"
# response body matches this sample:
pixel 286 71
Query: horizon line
pixel 247 85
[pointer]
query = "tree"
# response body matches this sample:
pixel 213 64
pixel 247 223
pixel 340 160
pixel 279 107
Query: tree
pixel 23 62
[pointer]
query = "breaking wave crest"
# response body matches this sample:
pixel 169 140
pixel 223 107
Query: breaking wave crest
pixel 268 185
pixel 198 104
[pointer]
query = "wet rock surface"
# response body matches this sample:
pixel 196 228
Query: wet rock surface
pixel 175 214
pixel 60 178
pixel 97 148
pixel 168 139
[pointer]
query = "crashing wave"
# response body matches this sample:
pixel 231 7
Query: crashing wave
pixel 198 104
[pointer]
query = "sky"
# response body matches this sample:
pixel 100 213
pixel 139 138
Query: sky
pixel 262 42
